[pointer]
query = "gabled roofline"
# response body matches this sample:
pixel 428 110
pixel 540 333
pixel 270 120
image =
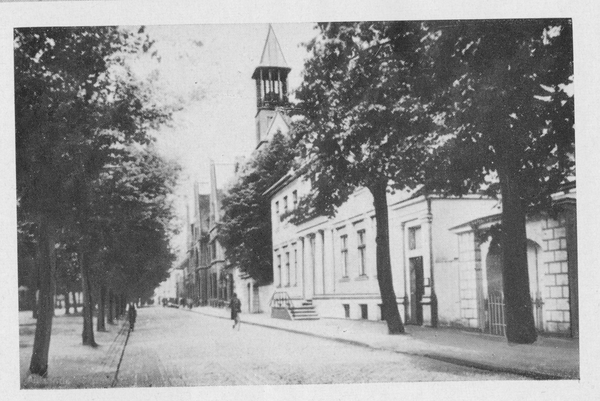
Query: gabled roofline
pixel 286 179
pixel 559 198
pixel 283 182
pixel 280 114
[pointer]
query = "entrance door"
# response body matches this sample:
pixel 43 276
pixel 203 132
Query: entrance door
pixel 255 300
pixel 416 290
pixel 249 292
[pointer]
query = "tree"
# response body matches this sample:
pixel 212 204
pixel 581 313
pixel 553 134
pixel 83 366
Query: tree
pixel 361 125
pixel 72 87
pixel 68 278
pixel 503 96
pixel 245 229
pixel 133 221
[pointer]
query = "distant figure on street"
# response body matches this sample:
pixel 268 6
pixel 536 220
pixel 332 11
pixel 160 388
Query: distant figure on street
pixel 236 308
pixel 132 315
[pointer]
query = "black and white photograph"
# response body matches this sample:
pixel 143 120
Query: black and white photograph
pixel 224 202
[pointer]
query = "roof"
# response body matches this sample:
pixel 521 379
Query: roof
pixel 566 195
pixel 285 180
pixel 272 56
pixel 221 175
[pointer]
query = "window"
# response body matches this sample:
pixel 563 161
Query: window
pixel 344 251
pixel 346 311
pixel 277 208
pixel 213 250
pixel 361 253
pixel 279 270
pixel 414 238
pixel 295 199
pixel 364 311
pixel 285 205
pixel 287 267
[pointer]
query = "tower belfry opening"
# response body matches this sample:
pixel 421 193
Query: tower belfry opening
pixel 271 85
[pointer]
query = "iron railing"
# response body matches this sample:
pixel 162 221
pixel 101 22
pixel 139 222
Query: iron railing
pixel 496 317
pixel 496 314
pixel 281 300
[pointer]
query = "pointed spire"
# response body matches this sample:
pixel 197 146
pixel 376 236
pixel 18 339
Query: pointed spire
pixel 272 56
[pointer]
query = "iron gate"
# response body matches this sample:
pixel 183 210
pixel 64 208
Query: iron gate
pixel 497 323
pixel 496 319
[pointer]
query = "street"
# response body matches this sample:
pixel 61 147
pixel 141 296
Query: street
pixel 176 347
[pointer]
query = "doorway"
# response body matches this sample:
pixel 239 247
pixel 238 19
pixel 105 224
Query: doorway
pixel 249 294
pixel 416 290
pixel 255 300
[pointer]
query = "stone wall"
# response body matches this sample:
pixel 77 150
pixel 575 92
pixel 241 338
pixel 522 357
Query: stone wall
pixel 447 289
pixel 556 289
pixel 470 259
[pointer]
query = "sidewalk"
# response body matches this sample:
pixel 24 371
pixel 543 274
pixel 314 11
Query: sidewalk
pixel 72 365
pixel 549 358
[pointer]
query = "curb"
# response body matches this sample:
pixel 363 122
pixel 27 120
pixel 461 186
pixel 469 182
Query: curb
pixel 437 357
pixel 116 377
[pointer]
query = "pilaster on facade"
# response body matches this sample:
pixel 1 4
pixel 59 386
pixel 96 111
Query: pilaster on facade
pixel 429 294
pixel 556 276
pixel 470 261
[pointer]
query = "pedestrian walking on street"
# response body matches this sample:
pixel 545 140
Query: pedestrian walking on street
pixel 132 315
pixel 236 308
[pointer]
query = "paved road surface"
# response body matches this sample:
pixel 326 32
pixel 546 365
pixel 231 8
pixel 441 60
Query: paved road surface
pixel 173 347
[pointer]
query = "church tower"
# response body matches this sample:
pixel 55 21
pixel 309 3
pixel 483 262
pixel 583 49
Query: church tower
pixel 271 86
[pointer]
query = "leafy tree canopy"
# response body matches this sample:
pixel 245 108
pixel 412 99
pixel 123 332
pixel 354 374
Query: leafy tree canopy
pixel 245 229
pixel 361 123
pixel 75 99
pixel 506 102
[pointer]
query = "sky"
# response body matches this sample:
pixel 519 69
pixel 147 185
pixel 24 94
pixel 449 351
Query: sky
pixel 209 68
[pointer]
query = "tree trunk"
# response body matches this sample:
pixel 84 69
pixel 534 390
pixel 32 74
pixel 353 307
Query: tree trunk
pixel 111 303
pixel 87 334
pixel 123 304
pixel 46 262
pixel 520 326
pixel 34 284
pixel 119 305
pixel 384 266
pixel 67 303
pixel 74 302
pixel 100 324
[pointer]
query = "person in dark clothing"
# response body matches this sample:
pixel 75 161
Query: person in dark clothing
pixel 236 308
pixel 132 315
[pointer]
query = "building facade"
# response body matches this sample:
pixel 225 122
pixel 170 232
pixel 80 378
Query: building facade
pixel 552 265
pixel 443 272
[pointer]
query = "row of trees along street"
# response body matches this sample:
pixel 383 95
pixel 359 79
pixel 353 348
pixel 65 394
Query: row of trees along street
pixel 442 107
pixel 93 196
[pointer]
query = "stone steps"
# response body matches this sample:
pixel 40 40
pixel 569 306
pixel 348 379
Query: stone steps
pixel 305 312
